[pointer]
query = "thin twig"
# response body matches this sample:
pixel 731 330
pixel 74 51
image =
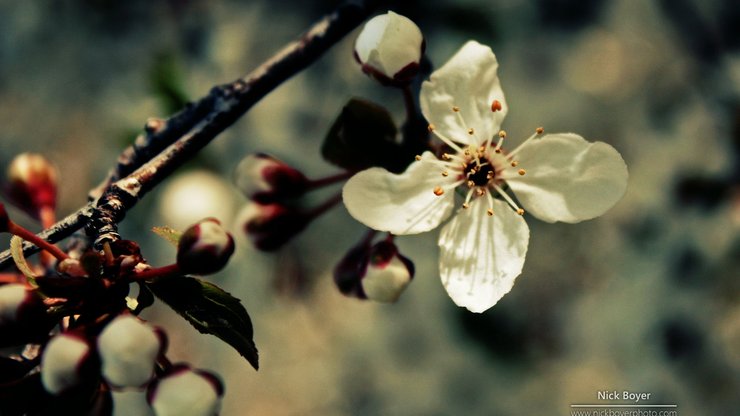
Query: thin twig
pixel 145 164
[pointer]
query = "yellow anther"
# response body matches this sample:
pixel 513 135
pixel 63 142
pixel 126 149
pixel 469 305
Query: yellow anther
pixel 490 212
pixel 482 149
pixel 496 106
pixel 431 128
pixel 455 108
pixel 471 131
pixel 445 173
pixel 520 211
pixel 446 156
pixel 498 150
pixel 480 192
pixel 539 130
pixel 467 151
pixel 417 157
pixel 465 205
pixel 471 184
pixel 438 190
pixel 522 172
pixel 514 163
pixel 502 134
pixel 473 171
pixel 489 175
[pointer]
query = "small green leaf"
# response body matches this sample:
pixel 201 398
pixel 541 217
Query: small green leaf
pixel 210 309
pixel 364 135
pixel 169 234
pixel 16 250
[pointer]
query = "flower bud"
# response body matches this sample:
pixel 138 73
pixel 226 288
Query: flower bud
pixel 389 48
pixel 270 226
pixel 264 179
pixel 204 248
pixel 32 183
pixel 128 350
pixel 63 362
pixel 186 392
pixel 379 273
pixel 22 315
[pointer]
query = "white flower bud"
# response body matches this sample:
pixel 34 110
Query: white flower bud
pixel 388 273
pixel 389 48
pixel 23 316
pixel 12 297
pixel 128 350
pixel 204 248
pixel 62 362
pixel 186 392
pixel 265 179
pixel 32 183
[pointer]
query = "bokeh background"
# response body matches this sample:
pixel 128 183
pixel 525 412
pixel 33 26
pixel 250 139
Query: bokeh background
pixel 643 299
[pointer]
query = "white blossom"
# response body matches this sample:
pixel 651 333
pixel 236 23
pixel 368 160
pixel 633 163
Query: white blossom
pixel 62 361
pixel 186 392
pixel 128 349
pixel 555 177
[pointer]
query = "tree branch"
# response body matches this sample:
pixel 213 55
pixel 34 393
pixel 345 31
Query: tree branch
pixel 177 139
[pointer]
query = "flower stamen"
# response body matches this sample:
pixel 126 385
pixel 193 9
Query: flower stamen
pixel 508 199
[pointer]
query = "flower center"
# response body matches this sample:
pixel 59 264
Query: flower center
pixel 479 172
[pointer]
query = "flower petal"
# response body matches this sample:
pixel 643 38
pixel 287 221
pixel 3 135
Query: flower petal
pixel 468 81
pixel 389 43
pixel 568 178
pixel 400 204
pixel 481 255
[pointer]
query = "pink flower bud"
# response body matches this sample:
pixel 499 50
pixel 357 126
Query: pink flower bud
pixel 128 350
pixel 186 392
pixel 270 226
pixel 63 362
pixel 32 183
pixel 379 273
pixel 389 48
pixel 204 248
pixel 22 315
pixel 264 179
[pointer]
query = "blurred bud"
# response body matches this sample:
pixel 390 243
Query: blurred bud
pixel 128 350
pixel 379 273
pixel 186 392
pixel 264 179
pixel 270 226
pixel 204 248
pixel 66 357
pixel 389 48
pixel 4 219
pixel 32 183
pixel 22 315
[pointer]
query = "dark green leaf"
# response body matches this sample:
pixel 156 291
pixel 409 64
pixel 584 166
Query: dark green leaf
pixel 210 309
pixel 363 136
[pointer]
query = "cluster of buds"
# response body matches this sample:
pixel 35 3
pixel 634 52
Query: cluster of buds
pixel 274 216
pixel 129 354
pixel 377 272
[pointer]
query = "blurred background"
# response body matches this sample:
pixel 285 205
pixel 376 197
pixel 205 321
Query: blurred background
pixel 644 298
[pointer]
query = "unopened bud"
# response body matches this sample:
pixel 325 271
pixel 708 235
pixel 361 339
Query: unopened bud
pixel 379 273
pixel 270 226
pixel 204 248
pixel 264 179
pixel 128 350
pixel 32 183
pixel 186 392
pixel 63 362
pixel 23 316
pixel 389 48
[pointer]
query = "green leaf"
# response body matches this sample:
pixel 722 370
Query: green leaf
pixel 363 136
pixel 210 309
pixel 16 250
pixel 169 234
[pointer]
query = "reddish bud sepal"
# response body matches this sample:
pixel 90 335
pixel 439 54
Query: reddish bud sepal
pixel 379 273
pixel 265 179
pixel 66 361
pixel 128 349
pixel 204 248
pixel 270 226
pixel 4 219
pixel 389 48
pixel 23 316
pixel 186 392
pixel 32 183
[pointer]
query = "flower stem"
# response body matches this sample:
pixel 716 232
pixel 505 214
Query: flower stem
pixel 408 100
pixel 325 206
pixel 164 271
pixel 23 233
